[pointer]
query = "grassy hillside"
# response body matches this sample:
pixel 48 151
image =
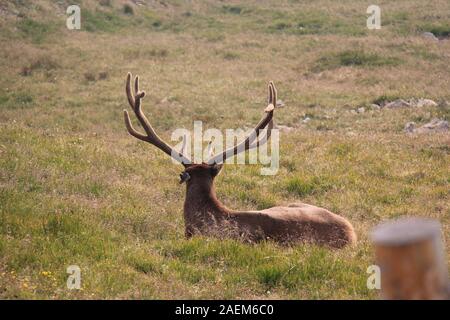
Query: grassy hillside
pixel 76 189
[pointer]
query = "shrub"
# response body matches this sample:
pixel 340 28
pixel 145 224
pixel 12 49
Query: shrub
pixel 128 9
pixel 103 75
pixel 42 63
pixel 89 76
pixel 232 9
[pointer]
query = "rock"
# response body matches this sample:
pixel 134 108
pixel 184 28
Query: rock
pixel 306 120
pixel 410 127
pixel 430 36
pixel 413 102
pixel 421 103
pixel 399 103
pixel 435 125
pixel 361 110
pixel 375 106
pixel 280 103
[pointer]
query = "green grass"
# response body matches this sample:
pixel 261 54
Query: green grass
pixel 439 30
pixel 36 31
pixel 76 189
pixel 355 58
pixel 102 21
pixel 303 187
pixel 17 100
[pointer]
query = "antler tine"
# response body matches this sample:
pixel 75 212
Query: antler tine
pixel 128 90
pixel 136 85
pixel 245 145
pixel 130 128
pixel 274 94
pixel 151 137
pixel 270 93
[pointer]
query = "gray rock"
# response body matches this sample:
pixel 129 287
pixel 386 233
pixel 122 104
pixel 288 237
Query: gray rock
pixel 430 36
pixel 421 103
pixel 375 106
pixel 435 125
pixel 399 103
pixel 410 127
pixel 306 120
pixel 361 110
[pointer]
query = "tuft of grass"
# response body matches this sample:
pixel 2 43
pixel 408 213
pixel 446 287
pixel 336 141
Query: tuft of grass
pixel 439 30
pixel 383 99
pixel 357 58
pixel 312 22
pixel 16 100
pixel 232 9
pixel 342 150
pixel 102 21
pixel 256 199
pixel 307 186
pixel 282 25
pixel 270 275
pixel 45 63
pixel 34 30
pixel 158 53
pixel 230 55
pixel 146 264
pixel 90 76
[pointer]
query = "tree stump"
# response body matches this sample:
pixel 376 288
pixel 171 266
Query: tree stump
pixel 411 258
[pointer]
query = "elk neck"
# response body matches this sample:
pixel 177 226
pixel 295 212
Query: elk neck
pixel 201 200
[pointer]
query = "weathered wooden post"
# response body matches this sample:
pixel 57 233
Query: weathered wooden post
pixel 411 258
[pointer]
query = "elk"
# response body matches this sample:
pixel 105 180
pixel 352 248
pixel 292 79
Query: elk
pixel 204 214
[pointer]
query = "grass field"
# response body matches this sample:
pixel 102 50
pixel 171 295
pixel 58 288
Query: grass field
pixel 76 189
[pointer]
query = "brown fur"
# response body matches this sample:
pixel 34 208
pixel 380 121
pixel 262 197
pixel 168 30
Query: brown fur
pixel 205 214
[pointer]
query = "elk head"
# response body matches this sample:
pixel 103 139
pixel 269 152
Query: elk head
pixel 203 171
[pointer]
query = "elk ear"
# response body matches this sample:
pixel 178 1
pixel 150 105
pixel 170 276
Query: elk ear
pixel 215 169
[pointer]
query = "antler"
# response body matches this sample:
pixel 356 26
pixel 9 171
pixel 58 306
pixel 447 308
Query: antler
pixel 151 136
pixel 251 141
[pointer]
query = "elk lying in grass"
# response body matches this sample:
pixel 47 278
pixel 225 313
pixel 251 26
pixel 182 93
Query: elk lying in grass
pixel 204 214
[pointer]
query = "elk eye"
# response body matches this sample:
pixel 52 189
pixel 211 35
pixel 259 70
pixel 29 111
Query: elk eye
pixel 184 176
